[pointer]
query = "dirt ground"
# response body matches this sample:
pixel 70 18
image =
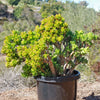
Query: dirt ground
pixel 86 91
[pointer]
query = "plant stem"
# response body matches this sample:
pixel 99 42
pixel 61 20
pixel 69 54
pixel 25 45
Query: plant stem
pixel 71 71
pixel 67 61
pixel 51 66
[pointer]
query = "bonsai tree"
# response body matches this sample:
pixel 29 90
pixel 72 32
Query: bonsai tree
pixel 49 50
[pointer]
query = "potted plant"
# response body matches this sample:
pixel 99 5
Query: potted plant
pixel 50 54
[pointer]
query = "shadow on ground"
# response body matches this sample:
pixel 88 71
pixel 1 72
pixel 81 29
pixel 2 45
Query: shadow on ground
pixel 92 97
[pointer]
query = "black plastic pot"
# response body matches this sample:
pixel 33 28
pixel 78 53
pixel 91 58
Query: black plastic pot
pixel 58 88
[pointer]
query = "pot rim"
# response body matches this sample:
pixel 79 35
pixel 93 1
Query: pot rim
pixel 74 76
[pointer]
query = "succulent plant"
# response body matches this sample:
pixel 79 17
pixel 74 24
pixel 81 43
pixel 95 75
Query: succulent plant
pixel 49 50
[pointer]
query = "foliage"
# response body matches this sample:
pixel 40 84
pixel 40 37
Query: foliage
pixel 78 17
pixel 49 50
pixel 27 1
pixel 17 12
pixel 86 73
pixel 26 21
pixel 94 54
pixel 13 2
pixel 51 9
pixel 95 28
pixel 95 49
pixel 24 12
pixel 14 40
pixel 21 25
pixel 51 1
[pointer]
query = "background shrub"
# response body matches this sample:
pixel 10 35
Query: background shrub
pixel 51 9
pixel 13 2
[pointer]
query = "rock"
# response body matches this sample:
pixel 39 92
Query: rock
pixel 3 8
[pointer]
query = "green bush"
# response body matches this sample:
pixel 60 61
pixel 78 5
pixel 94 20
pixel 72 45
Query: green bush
pixel 25 22
pixel 49 50
pixel 78 17
pixel 20 25
pixel 51 9
pixel 24 12
pixel 13 2
pixel 95 49
pixel 18 12
pixel 27 1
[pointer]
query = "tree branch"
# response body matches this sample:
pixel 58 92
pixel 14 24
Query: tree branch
pixel 51 66
pixel 67 60
pixel 51 63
